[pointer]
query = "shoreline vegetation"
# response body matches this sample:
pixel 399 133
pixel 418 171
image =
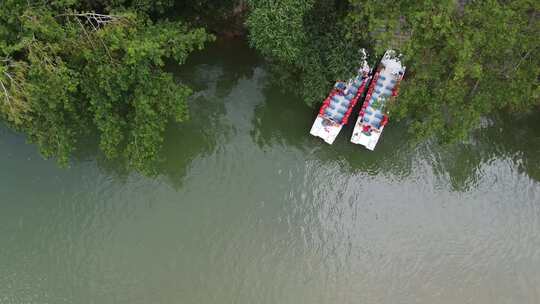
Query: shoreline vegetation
pixel 69 68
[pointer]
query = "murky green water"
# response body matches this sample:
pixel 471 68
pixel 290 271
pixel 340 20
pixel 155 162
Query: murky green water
pixel 251 209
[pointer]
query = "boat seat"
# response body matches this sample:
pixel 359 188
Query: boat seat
pixel 342 110
pixel 393 81
pixel 334 115
pixel 374 119
pixel 365 119
pixel 382 77
pixel 379 115
pixel 340 85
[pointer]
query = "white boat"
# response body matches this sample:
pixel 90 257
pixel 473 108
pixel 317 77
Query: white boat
pixel 337 107
pixel 373 116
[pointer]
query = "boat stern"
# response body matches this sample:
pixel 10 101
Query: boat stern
pixel 368 140
pixel 325 129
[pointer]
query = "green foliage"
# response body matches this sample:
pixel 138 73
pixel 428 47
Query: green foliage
pixel 208 9
pixel 64 74
pixel 224 17
pixel 307 42
pixel 463 61
pixel 277 28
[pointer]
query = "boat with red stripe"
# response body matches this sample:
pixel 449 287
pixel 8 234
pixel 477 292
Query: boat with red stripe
pixel 337 107
pixel 384 88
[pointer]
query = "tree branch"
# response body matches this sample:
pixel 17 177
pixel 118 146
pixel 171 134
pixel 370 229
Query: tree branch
pixel 86 33
pixel 521 60
pixel 474 88
pixel 14 83
pixel 94 18
pixel 6 94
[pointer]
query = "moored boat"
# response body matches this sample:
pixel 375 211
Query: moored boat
pixel 337 107
pixel 384 88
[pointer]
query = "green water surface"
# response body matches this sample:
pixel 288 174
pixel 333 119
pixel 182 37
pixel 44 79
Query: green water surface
pixel 249 208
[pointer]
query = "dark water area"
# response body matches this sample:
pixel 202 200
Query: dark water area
pixel 249 208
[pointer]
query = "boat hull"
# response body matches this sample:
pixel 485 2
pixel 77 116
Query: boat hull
pixel 325 129
pixel 360 138
pixel 338 106
pixel 369 127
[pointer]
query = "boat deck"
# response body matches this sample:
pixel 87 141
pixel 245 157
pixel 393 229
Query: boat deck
pixel 373 116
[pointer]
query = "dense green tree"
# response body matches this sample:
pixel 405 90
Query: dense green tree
pixel 465 59
pixel 64 73
pixel 307 42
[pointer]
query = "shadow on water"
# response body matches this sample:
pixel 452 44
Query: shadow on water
pixel 284 120
pixel 212 74
pixel 281 119
pixel 393 156
pixel 512 137
pixel 232 57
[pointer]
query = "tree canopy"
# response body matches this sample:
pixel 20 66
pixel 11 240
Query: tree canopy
pixel 66 71
pixel 465 59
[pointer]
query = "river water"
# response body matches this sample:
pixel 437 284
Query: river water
pixel 248 208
